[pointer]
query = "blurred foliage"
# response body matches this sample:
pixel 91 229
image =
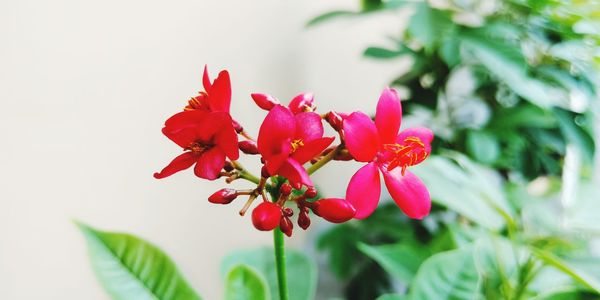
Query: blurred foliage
pixel 506 86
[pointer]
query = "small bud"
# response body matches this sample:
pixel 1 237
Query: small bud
pixel 264 101
pixel 302 103
pixel 286 226
pixel 223 196
pixel 228 167
pixel 264 173
pixel 285 189
pixel 343 155
pixel 334 210
pixel 248 147
pixel 266 215
pixel 303 219
pixel 288 212
pixel 311 192
pixel 335 120
pixel 238 128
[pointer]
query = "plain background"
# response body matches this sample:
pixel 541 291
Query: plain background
pixel 85 87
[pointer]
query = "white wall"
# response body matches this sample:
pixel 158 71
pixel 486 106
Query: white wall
pixel 84 89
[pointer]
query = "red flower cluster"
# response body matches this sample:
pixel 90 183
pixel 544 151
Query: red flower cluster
pixel 290 138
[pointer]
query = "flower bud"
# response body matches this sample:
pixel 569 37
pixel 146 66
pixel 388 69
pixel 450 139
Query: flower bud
pixel 288 212
pixel 223 196
pixel 266 215
pixel 264 173
pixel 286 226
pixel 343 155
pixel 264 101
pixel 237 126
pixel 228 167
pixel 303 219
pixel 311 192
pixel 335 120
pixel 334 210
pixel 248 147
pixel 302 103
pixel 285 189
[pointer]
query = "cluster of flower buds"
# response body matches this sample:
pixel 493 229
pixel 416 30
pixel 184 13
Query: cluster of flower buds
pixel 291 146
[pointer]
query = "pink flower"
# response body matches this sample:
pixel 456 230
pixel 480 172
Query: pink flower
pixel 287 141
pixel 303 102
pixel 207 139
pixel 216 95
pixel 385 150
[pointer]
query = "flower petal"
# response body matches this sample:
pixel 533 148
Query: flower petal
pixel 301 101
pixel 409 193
pixel 227 140
pixel 388 115
pixel 276 131
pixel 361 137
pixel 425 135
pixel 210 164
pixel 295 173
pixel 308 126
pixel 220 93
pixel 311 149
pixel 180 162
pixel 206 79
pixel 181 128
pixel 364 190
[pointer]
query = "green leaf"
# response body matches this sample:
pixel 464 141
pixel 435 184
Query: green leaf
pixel 382 53
pixel 399 260
pixel 392 297
pixel 483 146
pixel 243 283
pixel 447 275
pixel 577 271
pixel 329 16
pixel 301 271
pixel 429 25
pixel 574 133
pixel 131 268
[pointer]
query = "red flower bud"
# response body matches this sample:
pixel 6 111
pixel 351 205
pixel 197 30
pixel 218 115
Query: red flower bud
pixel 311 192
pixel 286 226
pixel 266 215
pixel 228 167
pixel 248 147
pixel 303 219
pixel 334 210
pixel 302 103
pixel 335 120
pixel 285 189
pixel 264 101
pixel 223 196
pixel 288 212
pixel 237 126
pixel 264 173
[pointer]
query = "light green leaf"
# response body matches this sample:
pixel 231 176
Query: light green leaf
pixel 447 275
pixel 329 16
pixel 574 133
pixel 577 270
pixel 484 147
pixel 382 53
pixel 243 283
pixel 301 271
pixel 392 297
pixel 399 260
pixel 131 268
pixel 429 25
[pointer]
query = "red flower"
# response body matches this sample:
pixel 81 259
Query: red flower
pixel 385 150
pixel 303 102
pixel 206 137
pixel 216 95
pixel 287 141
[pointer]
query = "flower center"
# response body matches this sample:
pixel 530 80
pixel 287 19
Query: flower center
pixel 409 153
pixel 297 144
pixel 198 147
pixel 198 102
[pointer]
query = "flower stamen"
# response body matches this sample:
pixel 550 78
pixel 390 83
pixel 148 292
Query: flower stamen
pixel 409 153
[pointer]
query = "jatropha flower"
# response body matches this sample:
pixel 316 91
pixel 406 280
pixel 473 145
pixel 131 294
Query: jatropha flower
pixel 385 150
pixel 291 137
pixel 207 138
pixel 287 141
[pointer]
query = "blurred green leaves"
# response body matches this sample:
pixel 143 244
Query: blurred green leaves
pixel 243 283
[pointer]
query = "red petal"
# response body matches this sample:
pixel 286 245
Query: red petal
pixel 311 149
pixel 409 193
pixel 226 138
pixel 210 164
pixel 308 126
pixel 274 163
pixel 220 93
pixel 334 210
pixel 206 79
pixel 264 101
pixel 388 116
pixel 180 162
pixel 364 190
pixel 181 128
pixel 276 131
pixel 301 101
pixel 361 137
pixel 295 173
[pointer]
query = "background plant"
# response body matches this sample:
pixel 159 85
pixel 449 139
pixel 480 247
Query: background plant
pixel 511 88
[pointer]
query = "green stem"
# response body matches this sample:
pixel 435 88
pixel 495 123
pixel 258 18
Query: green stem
pixel 248 176
pixel 324 160
pixel 279 246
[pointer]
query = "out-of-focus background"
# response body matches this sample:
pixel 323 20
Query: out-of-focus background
pixel 85 89
pixel 510 88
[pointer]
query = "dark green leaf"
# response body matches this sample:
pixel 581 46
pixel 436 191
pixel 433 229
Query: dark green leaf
pixel 574 133
pixel 244 283
pixel 382 53
pixel 399 260
pixel 392 297
pixel 131 268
